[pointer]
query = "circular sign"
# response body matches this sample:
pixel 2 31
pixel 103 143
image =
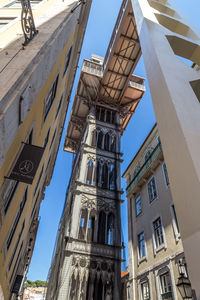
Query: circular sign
pixel 26 167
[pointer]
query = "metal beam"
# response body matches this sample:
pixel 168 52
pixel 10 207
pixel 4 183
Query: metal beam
pixel 110 87
pixel 130 39
pixel 124 57
pixel 116 73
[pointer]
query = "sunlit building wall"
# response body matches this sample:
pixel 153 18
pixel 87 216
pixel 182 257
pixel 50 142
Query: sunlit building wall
pixel 155 246
pixel 36 82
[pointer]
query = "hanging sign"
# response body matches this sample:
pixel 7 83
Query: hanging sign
pixel 27 164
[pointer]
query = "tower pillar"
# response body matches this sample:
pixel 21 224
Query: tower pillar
pixel 165 36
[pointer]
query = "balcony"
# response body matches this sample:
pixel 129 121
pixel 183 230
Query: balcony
pixel 92 68
pixel 146 169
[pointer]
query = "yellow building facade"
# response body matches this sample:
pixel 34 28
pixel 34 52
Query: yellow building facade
pixel 36 82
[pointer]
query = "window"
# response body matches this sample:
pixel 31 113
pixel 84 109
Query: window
pixel 102 227
pixel 152 190
pixel 53 137
pixel 17 218
pixel 46 139
pixel 165 286
pixel 9 194
pixel 145 290
pixel 107 142
pixel 105 115
pixel 97 178
pixel 5 20
pixel 158 233
pixel 110 229
pixel 38 181
pixel 59 106
pixel 147 155
pixel 36 200
pixel 91 224
pixel 83 223
pixel 89 172
pixel 29 139
pixel 165 174
pixel 141 245
pixel 67 60
pixel 50 97
pixel 138 206
pixel 16 262
pixel 100 140
pixel 104 177
pixel 112 179
pixel 49 160
pixel 113 143
pixel 16 245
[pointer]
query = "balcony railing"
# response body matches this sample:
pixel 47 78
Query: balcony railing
pixel 92 68
pixel 137 85
pixel 152 157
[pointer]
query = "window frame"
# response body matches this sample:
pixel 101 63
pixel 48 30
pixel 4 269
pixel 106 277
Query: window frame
pixel 155 197
pixel 67 60
pixel 141 247
pixel 51 96
pixel 138 214
pixel 141 290
pixel 163 245
pixel 167 272
pixel 165 174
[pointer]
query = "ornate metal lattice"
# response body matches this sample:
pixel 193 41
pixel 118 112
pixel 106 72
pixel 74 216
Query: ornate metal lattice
pixel 27 21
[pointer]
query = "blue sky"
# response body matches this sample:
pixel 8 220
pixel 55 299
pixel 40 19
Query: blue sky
pixel 100 25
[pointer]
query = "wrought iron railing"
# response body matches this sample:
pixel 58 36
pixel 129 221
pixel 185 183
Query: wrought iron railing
pixel 167 296
pixel 153 155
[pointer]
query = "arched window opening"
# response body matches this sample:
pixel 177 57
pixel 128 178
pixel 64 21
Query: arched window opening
pixel 83 224
pixel 113 143
pixel 113 117
pixel 107 142
pixel 94 138
pixel 98 113
pixel 108 116
pixel 98 173
pixel 89 172
pixel 110 229
pixel 91 226
pixel 101 228
pixel 100 140
pixel 104 181
pixel 102 115
pixel 112 179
